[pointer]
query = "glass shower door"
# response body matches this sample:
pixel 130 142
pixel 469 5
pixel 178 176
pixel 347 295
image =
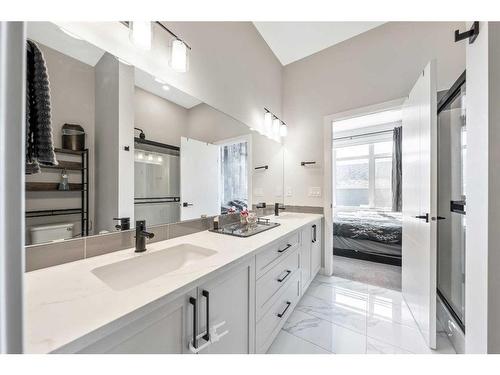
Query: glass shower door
pixel 452 148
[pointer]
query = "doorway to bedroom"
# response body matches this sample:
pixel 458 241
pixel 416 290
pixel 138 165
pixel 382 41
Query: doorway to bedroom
pixel 366 196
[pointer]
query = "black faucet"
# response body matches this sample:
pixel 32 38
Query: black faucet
pixel 140 236
pixel 124 223
pixel 277 209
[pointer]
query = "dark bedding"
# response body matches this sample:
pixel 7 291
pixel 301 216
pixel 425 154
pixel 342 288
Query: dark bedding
pixel 378 226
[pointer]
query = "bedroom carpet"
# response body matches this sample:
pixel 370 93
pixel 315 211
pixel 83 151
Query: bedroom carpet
pixel 383 275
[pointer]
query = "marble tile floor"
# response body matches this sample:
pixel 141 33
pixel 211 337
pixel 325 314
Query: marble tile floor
pixel 342 316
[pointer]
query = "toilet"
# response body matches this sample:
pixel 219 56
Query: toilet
pixel 49 233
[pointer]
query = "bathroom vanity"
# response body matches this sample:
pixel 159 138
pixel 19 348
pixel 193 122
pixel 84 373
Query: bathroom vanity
pixel 160 301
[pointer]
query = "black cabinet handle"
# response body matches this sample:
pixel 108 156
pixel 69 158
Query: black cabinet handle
pixel 314 233
pixel 192 301
pixel 281 279
pixel 205 294
pixel 285 248
pixel 280 315
pixel 186 204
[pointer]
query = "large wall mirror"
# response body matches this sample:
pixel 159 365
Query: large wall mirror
pixel 130 145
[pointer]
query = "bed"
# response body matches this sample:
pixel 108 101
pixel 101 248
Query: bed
pixel 368 234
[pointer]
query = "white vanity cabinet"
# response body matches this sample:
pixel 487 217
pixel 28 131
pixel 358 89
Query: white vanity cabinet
pixel 165 330
pixel 243 305
pixel 226 302
pixel 310 252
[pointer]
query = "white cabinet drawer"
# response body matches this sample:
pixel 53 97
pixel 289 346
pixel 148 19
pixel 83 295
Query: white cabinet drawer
pixel 265 259
pixel 272 321
pixel 275 279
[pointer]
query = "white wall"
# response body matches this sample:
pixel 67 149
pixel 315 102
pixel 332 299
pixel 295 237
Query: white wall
pixel 483 183
pixel 231 67
pixel 374 67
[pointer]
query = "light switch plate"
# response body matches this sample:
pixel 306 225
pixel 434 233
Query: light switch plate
pixel 315 191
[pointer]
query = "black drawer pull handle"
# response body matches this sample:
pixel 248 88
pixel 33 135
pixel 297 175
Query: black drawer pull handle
pixel 280 315
pixel 205 294
pixel 285 248
pixel 281 279
pixel 192 301
pixel 314 233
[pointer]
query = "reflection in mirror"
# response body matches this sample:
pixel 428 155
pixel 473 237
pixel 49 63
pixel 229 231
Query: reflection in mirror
pixel 151 151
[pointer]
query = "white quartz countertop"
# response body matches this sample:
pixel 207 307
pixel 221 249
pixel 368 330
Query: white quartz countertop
pixel 66 302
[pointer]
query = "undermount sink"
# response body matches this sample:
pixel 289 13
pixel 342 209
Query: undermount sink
pixel 145 267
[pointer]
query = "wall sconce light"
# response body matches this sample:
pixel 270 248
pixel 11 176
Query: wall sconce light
pixel 268 122
pixel 140 34
pixel 179 56
pixel 276 126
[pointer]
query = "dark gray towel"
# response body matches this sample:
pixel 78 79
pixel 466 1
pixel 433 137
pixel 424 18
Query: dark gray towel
pixel 39 144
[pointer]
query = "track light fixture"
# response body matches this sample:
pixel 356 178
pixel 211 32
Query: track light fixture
pixel 141 35
pixel 273 126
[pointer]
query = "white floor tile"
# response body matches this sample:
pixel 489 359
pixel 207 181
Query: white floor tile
pixel 378 347
pixel 344 316
pixel 327 335
pixel 340 314
pixel 287 343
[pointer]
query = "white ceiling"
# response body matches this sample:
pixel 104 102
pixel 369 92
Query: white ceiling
pixel 54 37
pixel 292 41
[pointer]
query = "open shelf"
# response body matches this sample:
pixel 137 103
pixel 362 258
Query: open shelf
pixel 51 186
pixel 63 164
pixel 66 151
pixel 57 212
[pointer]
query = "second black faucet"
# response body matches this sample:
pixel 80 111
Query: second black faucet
pixel 140 236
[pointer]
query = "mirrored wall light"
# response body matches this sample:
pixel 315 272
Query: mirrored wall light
pixel 276 127
pixel 179 56
pixel 283 129
pixel 268 121
pixel 141 34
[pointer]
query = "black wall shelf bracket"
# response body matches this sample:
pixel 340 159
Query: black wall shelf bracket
pixel 304 163
pixel 470 34
pixel 262 167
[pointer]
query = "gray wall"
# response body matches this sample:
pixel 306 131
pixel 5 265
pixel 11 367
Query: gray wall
pixel 371 68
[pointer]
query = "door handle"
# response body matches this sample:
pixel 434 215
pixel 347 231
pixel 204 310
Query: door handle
pixel 314 233
pixel 192 301
pixel 186 204
pixel 281 279
pixel 423 217
pixel 280 315
pixel 205 294
pixel 437 218
pixel 285 248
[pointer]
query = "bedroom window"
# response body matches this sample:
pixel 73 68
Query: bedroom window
pixel 362 171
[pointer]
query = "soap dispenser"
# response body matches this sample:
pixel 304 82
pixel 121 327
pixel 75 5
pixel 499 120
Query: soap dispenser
pixel 63 185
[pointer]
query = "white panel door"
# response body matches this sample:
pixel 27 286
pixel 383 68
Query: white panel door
pixel 200 179
pixel 420 203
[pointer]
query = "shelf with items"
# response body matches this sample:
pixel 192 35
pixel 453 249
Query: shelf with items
pixel 82 187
